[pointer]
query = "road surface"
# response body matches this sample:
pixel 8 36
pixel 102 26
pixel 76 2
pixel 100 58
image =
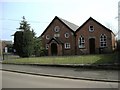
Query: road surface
pixel 78 72
pixel 18 80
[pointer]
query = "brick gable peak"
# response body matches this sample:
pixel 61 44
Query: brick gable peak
pixel 95 22
pixel 69 25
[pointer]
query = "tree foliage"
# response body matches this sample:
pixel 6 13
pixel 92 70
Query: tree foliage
pixel 18 40
pixel 24 39
pixel 38 48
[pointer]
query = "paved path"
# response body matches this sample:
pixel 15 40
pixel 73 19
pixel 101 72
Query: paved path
pixel 64 71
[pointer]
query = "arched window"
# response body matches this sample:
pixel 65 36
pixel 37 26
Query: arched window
pixel 91 28
pixel 81 42
pixel 103 40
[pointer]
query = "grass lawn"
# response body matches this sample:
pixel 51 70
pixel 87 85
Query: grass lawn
pixel 82 59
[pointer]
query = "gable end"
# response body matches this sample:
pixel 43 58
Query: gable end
pixel 94 21
pixel 72 27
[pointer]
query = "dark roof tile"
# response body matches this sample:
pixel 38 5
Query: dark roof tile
pixel 69 24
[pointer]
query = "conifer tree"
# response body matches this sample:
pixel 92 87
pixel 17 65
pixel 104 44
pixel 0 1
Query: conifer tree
pixel 24 39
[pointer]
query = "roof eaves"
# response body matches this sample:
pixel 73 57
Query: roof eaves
pixel 94 21
pixel 48 26
pixel 57 40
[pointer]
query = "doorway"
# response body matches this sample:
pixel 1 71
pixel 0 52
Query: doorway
pixel 54 49
pixel 92 45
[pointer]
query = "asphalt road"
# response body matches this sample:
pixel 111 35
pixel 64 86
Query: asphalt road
pixel 65 71
pixel 18 80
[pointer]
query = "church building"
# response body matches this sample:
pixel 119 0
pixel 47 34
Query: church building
pixel 62 37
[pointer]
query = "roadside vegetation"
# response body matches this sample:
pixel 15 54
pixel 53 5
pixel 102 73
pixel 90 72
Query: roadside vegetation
pixel 26 43
pixel 83 59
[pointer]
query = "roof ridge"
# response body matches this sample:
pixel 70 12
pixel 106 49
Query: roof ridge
pixel 67 21
pixel 71 25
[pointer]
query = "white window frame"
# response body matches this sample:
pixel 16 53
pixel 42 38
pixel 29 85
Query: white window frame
pixel 67 35
pixel 47 37
pixel 67 45
pixel 47 46
pixel 91 29
pixel 56 35
pixel 81 42
pixel 57 29
pixel 103 40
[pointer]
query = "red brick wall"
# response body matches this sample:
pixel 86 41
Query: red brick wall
pixel 98 30
pixel 63 29
pixel 84 31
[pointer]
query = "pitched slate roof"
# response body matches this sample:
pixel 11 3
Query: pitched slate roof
pixel 74 28
pixel 7 42
pixel 70 25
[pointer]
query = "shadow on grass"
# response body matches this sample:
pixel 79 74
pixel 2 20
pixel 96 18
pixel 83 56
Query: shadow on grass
pixel 107 59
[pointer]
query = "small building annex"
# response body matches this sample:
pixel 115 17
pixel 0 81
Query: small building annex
pixel 62 37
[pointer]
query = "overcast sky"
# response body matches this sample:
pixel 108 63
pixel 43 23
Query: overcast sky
pixel 39 13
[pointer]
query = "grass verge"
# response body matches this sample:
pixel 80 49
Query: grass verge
pixel 83 59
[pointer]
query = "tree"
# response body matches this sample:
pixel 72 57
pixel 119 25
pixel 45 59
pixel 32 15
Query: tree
pixel 18 40
pixel 38 48
pixel 24 39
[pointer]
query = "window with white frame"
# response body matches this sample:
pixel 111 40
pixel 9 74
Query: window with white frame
pixel 81 42
pixel 67 35
pixel 67 45
pixel 103 40
pixel 47 37
pixel 57 29
pixel 56 35
pixel 47 46
pixel 91 28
